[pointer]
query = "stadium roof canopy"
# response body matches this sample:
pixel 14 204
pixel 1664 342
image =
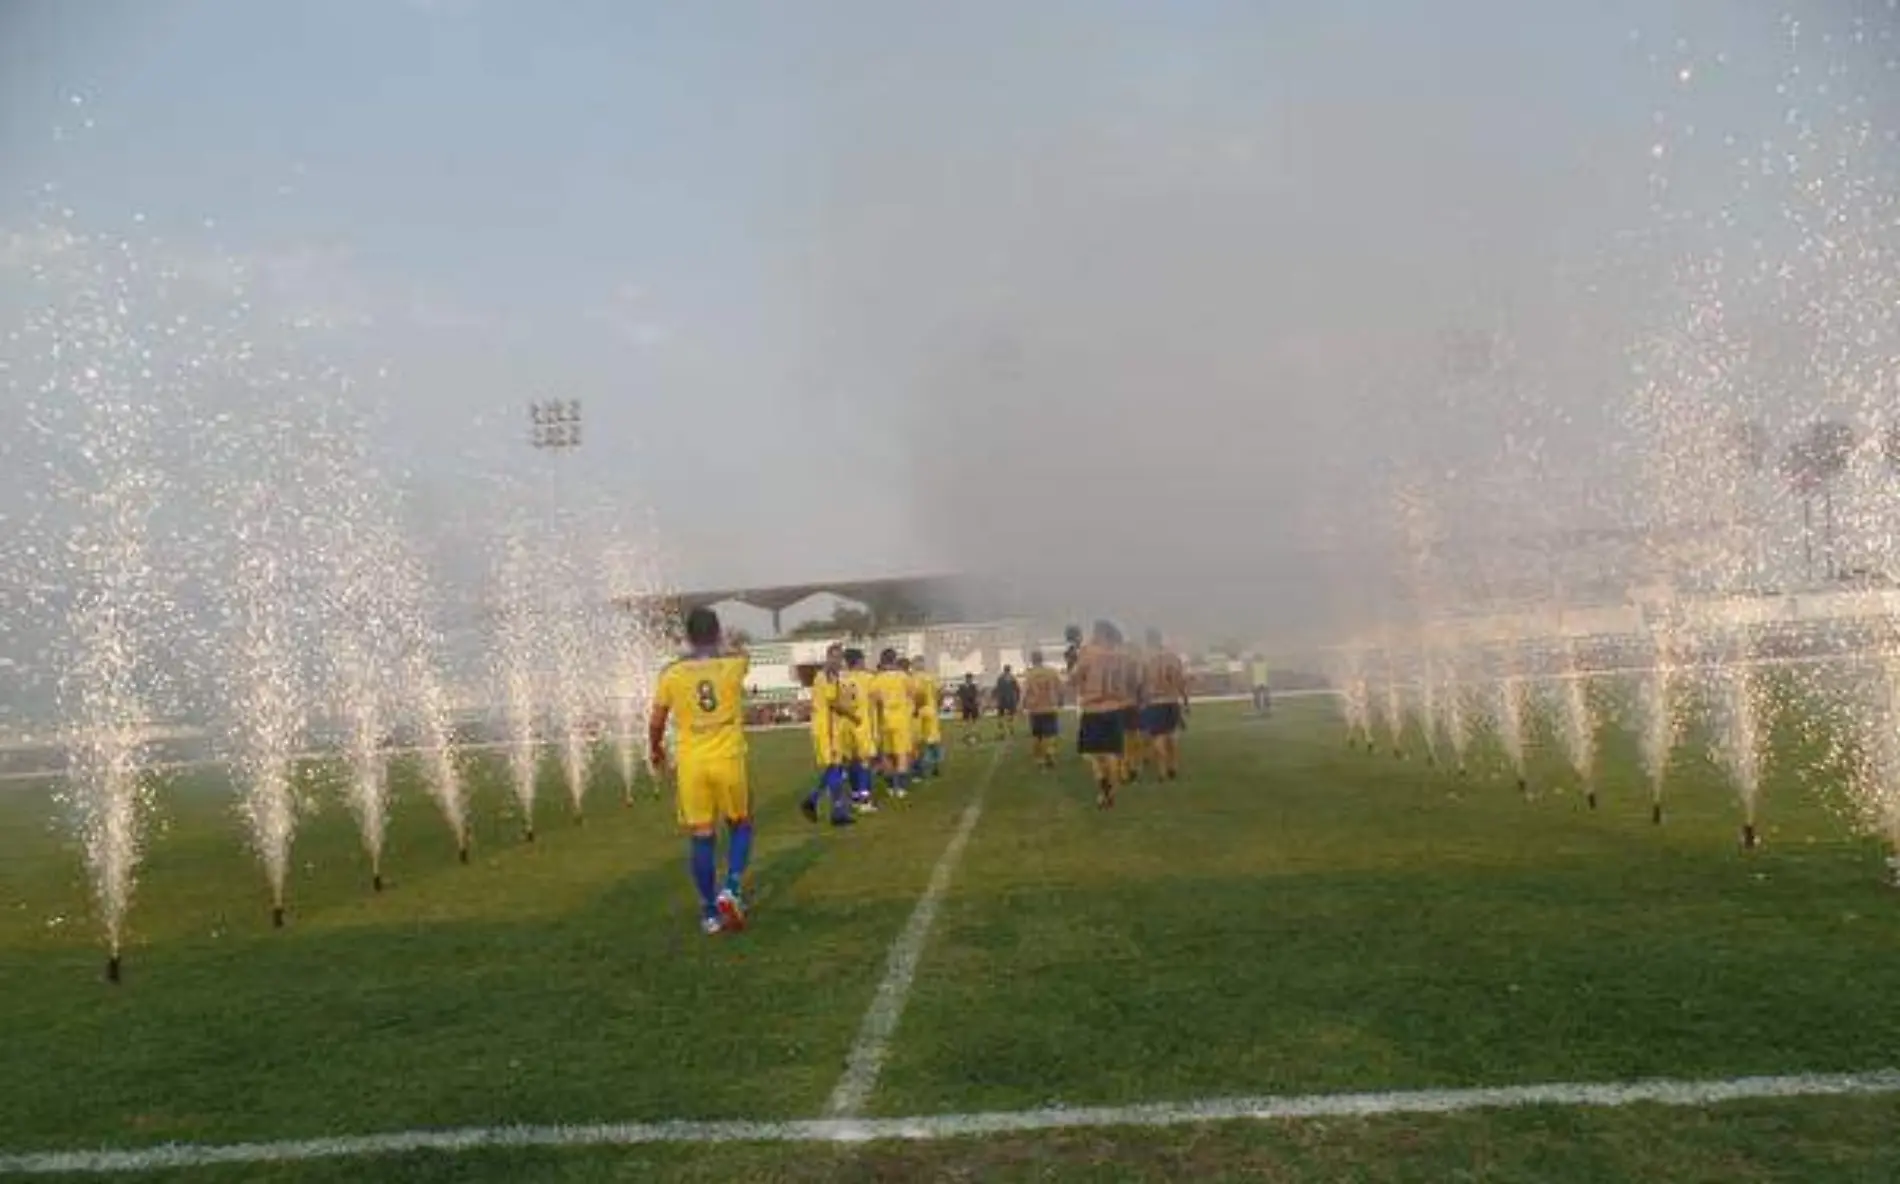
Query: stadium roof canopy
pixel 899 600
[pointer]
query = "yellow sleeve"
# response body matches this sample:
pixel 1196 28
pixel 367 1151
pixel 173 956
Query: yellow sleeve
pixel 735 677
pixel 667 689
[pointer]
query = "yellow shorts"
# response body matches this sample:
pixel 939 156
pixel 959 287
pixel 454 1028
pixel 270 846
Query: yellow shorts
pixel 712 790
pixel 897 744
pixel 930 728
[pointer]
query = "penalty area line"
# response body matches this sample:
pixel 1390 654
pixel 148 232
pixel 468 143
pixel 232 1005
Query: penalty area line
pixel 1662 1092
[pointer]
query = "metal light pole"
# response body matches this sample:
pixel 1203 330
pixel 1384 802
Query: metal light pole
pixel 554 427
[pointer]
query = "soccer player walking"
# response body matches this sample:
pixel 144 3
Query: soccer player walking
pixel 1042 702
pixel 970 706
pixel 929 722
pixel 1165 681
pixel 703 694
pixel 896 700
pixel 831 719
pixel 1009 699
pixel 861 750
pixel 1099 690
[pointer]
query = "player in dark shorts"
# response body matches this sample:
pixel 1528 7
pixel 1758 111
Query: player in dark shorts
pixel 1042 700
pixel 1130 682
pixel 1164 681
pixel 1009 700
pixel 969 706
pixel 1103 699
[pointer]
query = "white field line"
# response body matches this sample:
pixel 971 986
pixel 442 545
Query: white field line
pixel 862 1066
pixel 923 1128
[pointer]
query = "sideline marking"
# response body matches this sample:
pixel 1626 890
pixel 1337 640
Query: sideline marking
pixel 861 1068
pixel 1661 1092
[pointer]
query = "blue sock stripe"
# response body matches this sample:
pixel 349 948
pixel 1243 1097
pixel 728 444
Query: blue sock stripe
pixel 738 853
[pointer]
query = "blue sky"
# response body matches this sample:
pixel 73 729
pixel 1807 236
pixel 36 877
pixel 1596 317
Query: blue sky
pixel 734 228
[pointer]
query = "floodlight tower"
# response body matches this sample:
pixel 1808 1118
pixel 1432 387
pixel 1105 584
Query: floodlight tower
pixel 554 428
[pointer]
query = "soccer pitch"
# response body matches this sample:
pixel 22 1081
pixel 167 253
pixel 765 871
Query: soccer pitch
pixel 999 979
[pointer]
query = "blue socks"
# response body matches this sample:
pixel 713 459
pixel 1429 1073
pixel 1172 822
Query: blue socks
pixel 705 853
pixel 860 780
pixel 738 854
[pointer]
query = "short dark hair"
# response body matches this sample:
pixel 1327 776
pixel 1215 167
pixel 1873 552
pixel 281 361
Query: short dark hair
pixel 702 626
pixel 854 657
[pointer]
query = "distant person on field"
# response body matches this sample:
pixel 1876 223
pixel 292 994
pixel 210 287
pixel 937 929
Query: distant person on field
pixel 703 695
pixel 1164 678
pixel 861 747
pixel 1042 703
pixel 832 719
pixel 1009 700
pixel 969 706
pixel 1072 649
pixel 1103 698
pixel 896 701
pixel 929 722
pixel 1262 697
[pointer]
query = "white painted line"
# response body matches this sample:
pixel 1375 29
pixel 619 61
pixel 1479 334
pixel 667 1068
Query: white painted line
pixel 866 1061
pixel 1660 1092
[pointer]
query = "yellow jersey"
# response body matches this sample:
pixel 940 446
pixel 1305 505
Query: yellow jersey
pixel 929 695
pixel 825 692
pixel 896 700
pixel 856 691
pixel 706 698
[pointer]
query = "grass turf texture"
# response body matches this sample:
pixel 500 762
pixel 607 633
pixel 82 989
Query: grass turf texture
pixel 1292 917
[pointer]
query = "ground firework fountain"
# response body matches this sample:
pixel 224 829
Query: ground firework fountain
pixel 92 368
pixel 514 649
pixel 368 788
pixel 268 711
pixel 1578 730
pixel 108 551
pixel 1509 690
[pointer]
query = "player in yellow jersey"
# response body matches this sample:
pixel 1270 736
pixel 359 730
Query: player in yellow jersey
pixel 1042 703
pixel 1099 690
pixel 896 703
pixel 1165 680
pixel 703 695
pixel 832 718
pixel 929 722
pixel 861 739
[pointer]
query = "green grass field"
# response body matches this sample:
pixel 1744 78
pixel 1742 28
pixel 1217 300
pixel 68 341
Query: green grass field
pixel 1290 918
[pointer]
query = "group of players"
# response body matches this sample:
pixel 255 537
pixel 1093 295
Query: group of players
pixel 883 726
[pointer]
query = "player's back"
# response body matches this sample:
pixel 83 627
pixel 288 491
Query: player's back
pixel 1134 674
pixel 1100 673
pixel 857 684
pixel 1165 677
pixel 895 697
pixel 1042 690
pixel 706 698
pixel 928 694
